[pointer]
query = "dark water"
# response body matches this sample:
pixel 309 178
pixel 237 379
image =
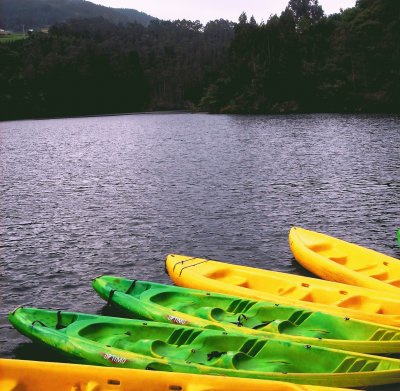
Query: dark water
pixel 87 196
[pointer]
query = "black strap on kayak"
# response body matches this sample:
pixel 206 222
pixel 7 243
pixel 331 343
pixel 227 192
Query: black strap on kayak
pixel 261 325
pixel 110 296
pixel 196 264
pixel 40 322
pixel 239 322
pixel 214 354
pixel 182 262
pixel 59 321
pixel 241 317
pixel 130 289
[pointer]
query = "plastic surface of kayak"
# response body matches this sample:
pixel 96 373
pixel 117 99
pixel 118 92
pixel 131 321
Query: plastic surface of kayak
pixel 336 260
pixel 155 346
pixel 305 292
pixel 24 375
pixel 171 304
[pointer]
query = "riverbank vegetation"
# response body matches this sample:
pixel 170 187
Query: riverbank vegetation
pixel 299 61
pixel 6 38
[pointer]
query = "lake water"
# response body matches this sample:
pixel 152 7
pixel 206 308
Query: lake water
pixel 82 197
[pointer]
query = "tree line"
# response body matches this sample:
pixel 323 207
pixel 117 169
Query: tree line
pixel 299 61
pixel 304 61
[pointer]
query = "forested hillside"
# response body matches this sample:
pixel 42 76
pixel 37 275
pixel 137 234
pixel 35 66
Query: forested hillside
pixel 304 61
pixel 299 61
pixel 94 66
pixel 16 15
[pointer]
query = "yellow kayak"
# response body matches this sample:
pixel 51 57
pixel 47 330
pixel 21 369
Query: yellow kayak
pixel 336 260
pixel 21 375
pixel 305 292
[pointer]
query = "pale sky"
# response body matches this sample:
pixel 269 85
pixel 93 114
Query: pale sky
pixel 205 10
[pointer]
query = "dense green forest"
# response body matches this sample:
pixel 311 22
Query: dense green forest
pixel 304 61
pixel 299 61
pixel 19 15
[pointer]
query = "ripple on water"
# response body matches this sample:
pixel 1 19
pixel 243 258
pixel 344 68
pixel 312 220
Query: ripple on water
pixel 82 197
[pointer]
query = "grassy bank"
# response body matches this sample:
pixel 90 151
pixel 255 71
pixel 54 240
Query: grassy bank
pixel 12 37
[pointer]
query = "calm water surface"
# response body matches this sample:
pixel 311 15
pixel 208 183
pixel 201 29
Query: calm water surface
pixel 87 196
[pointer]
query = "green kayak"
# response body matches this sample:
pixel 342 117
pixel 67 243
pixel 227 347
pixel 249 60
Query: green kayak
pixel 171 304
pixel 136 344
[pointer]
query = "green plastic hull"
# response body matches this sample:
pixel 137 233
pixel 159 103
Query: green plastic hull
pixel 156 346
pixel 171 304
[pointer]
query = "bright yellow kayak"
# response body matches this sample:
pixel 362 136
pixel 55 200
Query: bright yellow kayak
pixel 21 375
pixel 336 260
pixel 305 292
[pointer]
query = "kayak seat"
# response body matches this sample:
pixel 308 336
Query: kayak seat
pixel 279 326
pixel 210 313
pixel 162 349
pixel 298 293
pixel 361 303
pixel 203 312
pixel 237 281
pixel 352 364
pixel 330 252
pixel 228 278
pixel 242 361
pixel 153 366
pixel 147 347
pixel 207 356
pixel 111 340
pixel 150 347
pixel 214 358
pixel 375 270
pixel 340 259
pixel 318 246
pixel 172 299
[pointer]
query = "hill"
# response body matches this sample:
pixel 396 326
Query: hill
pixel 15 15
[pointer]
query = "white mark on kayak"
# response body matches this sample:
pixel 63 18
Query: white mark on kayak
pixel 114 359
pixel 176 320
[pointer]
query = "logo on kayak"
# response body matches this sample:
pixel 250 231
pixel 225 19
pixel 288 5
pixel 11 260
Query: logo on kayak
pixel 114 359
pixel 176 320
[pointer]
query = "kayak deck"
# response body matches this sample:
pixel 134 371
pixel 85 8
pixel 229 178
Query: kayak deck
pixel 149 345
pixel 338 260
pixel 45 376
pixel 304 292
pixel 171 304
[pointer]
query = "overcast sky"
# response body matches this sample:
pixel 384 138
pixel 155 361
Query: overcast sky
pixel 205 10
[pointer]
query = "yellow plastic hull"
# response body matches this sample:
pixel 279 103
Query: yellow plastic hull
pixel 18 375
pixel 339 299
pixel 336 260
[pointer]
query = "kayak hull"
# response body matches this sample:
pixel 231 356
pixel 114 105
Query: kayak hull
pixel 172 304
pixel 127 343
pixel 48 376
pixel 336 260
pixel 304 292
